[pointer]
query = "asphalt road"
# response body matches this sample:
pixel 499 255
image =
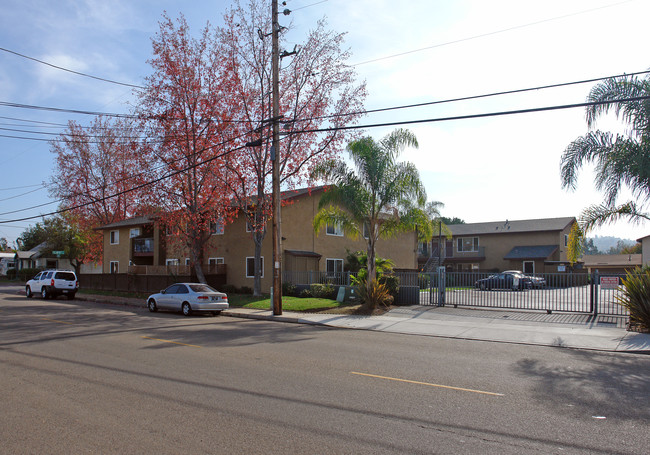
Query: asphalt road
pixel 78 377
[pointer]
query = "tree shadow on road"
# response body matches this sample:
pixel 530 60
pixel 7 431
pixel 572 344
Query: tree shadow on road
pixel 593 383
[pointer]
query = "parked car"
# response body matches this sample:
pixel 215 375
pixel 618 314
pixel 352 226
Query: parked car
pixel 531 281
pixel 501 281
pixel 189 298
pixel 53 283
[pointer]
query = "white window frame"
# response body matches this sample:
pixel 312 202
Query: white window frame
pixel 336 229
pixel 134 232
pixel 114 237
pixel 216 228
pixel 117 267
pixel 366 230
pixel 216 261
pixel 246 265
pixel 172 261
pixel 566 239
pixel 475 245
pixel 336 261
pixel 187 261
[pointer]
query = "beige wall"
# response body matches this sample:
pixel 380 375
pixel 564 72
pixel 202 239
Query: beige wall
pixel 297 217
pixel 235 245
pixel 645 251
pixel 497 246
pixel 117 252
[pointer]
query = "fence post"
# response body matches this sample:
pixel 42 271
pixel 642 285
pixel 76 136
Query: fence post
pixel 442 285
pixel 596 292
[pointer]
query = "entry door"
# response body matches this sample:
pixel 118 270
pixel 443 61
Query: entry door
pixel 529 267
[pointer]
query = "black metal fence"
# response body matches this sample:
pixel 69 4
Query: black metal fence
pixel 566 292
pixel 579 293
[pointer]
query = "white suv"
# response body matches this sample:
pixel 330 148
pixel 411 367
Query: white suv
pixel 52 283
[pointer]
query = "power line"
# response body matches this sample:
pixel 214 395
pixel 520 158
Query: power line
pixel 120 193
pixel 134 176
pixel 69 70
pixel 471 116
pixel 483 35
pixel 472 97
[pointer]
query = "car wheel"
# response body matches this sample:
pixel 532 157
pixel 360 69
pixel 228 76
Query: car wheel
pixel 482 286
pixel 44 293
pixel 28 292
pixel 216 313
pixel 152 306
pixel 187 309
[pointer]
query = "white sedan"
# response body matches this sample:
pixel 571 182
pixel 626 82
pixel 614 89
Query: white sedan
pixel 189 298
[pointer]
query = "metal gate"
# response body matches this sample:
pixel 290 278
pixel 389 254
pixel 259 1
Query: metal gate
pixel 579 293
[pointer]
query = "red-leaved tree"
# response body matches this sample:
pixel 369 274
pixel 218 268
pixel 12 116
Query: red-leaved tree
pixel 317 90
pixel 96 169
pixel 187 108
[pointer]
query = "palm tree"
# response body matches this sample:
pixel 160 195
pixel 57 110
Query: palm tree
pixel 622 160
pixel 381 199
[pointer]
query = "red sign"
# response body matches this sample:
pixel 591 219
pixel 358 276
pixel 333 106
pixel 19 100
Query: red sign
pixel 609 282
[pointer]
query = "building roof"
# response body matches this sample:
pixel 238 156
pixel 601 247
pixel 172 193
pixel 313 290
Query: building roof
pixel 612 260
pixel 505 227
pixel 140 220
pixel 531 252
pixel 135 221
pixel 301 253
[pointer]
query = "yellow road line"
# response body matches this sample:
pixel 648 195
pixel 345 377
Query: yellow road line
pixel 173 342
pixel 60 322
pixel 427 383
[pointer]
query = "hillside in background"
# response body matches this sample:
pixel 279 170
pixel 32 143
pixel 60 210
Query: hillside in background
pixel 608 244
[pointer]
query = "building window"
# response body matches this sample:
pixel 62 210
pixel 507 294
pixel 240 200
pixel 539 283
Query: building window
pixel 467 244
pixel 250 267
pixel 187 261
pixel 566 239
pixel 172 262
pixel 216 228
pixel 334 229
pixel 115 266
pixel 215 261
pixel 135 232
pixel 366 231
pixel 334 267
pixel 115 237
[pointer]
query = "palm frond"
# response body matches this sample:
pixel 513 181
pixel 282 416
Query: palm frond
pixel 600 215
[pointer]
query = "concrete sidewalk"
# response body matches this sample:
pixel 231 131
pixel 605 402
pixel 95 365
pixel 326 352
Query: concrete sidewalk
pixel 576 331
pixel 580 331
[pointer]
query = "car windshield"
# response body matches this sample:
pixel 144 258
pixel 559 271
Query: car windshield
pixel 201 288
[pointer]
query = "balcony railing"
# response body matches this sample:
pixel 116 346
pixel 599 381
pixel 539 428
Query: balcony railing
pixel 143 247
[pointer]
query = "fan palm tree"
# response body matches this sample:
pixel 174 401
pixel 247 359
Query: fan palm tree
pixel 381 199
pixel 622 160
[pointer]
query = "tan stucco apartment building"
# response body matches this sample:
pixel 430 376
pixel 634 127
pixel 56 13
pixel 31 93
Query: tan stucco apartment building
pixel 141 242
pixel 532 246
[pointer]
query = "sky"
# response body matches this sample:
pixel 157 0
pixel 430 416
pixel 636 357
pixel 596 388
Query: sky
pixel 408 52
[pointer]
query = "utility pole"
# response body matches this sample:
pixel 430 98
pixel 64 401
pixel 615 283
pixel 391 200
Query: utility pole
pixel 275 158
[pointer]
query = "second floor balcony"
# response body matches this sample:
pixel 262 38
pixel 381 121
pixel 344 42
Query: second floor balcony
pixel 143 247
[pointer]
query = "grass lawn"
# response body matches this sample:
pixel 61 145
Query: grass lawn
pixel 308 305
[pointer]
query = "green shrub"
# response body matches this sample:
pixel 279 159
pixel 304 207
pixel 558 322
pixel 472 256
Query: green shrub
pixel 322 291
pixel 22 274
pixel 245 290
pixel 289 289
pixel 376 296
pixel 305 293
pixel 392 284
pixel 228 289
pixel 635 296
